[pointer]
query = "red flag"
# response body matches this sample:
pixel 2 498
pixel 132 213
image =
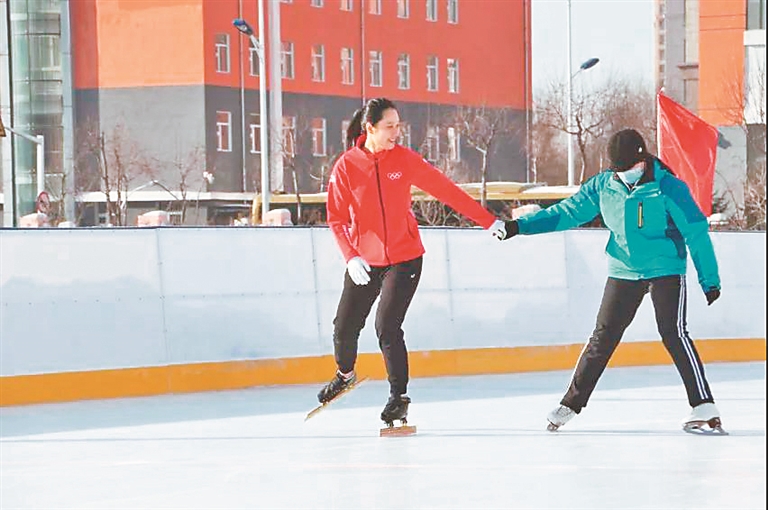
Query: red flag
pixel 689 146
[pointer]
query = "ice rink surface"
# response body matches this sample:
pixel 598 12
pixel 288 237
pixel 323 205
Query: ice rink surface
pixel 481 443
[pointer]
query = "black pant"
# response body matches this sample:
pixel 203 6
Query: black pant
pixel 397 285
pixel 621 300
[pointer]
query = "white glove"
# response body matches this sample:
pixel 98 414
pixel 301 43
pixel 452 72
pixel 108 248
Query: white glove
pixel 498 230
pixel 358 271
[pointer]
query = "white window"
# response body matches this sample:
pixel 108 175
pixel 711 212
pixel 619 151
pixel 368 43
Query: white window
pixel 453 11
pixel 405 135
pixel 432 73
pixel 344 127
pixel 374 6
pixel 289 136
pixel 319 148
pixel 286 60
pixel 347 5
pixel 223 131
pixel 454 144
pixel 453 75
pixel 431 10
pixel 222 53
pixel 286 1
pixel 316 3
pixel 318 62
pixel 433 144
pixel 404 71
pixel 253 59
pixel 403 8
pixel 375 67
pixel 347 66
pixel 255 133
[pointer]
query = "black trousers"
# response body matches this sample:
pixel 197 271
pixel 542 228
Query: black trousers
pixel 397 284
pixel 621 299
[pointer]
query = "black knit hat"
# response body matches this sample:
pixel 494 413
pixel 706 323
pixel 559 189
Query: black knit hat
pixel 625 149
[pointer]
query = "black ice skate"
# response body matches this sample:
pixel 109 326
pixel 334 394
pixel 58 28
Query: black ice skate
pixel 396 409
pixel 334 390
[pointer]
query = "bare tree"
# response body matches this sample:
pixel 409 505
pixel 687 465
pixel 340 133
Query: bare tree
pixel 482 128
pixel 187 171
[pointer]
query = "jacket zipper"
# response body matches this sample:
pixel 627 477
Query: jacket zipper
pixel 383 212
pixel 640 215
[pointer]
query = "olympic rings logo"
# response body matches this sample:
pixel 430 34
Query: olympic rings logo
pixel 394 175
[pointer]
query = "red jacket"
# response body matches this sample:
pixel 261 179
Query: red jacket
pixel 369 203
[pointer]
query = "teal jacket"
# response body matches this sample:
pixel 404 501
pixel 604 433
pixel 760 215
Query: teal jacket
pixel 650 225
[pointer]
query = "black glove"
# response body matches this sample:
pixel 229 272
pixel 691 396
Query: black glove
pixel 712 295
pixel 507 230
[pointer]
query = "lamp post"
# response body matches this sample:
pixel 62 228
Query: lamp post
pixel 571 75
pixel 244 28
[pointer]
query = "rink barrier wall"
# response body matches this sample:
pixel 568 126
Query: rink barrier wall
pixel 107 313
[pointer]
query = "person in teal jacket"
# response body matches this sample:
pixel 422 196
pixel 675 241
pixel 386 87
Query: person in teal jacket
pixel 652 218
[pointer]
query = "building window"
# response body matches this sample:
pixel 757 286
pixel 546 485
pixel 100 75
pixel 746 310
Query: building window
pixel 691 31
pixel 405 135
pixel 374 6
pixel 319 148
pixel 453 75
pixel 375 68
pixel 432 73
pixel 431 10
pixel 432 144
pixel 286 1
pixel 344 127
pixel 318 62
pixel 404 71
pixel 454 144
pixel 316 3
pixel 755 14
pixel 255 133
pixel 286 60
pixel 453 11
pixel 289 136
pixel 223 131
pixel 347 66
pixel 403 8
pixel 253 59
pixel 222 53
pixel 347 5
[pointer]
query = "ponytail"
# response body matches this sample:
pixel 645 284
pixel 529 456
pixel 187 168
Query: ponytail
pixel 355 128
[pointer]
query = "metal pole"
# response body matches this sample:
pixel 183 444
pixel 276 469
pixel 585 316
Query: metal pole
pixel 40 163
pixel 570 103
pixel 263 116
pixel 276 97
pixel 243 135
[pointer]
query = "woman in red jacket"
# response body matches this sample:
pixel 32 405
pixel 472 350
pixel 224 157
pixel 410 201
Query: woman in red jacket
pixel 369 213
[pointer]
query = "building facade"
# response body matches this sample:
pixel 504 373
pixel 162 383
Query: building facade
pixel 171 88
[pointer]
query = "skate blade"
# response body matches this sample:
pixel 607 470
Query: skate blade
pixel 403 430
pixel 712 427
pixel 346 390
pixel 552 427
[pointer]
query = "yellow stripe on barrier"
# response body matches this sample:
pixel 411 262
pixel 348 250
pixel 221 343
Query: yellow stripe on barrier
pixel 227 375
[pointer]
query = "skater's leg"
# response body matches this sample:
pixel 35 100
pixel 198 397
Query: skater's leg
pixel 398 287
pixel 621 298
pixel 670 303
pixel 354 306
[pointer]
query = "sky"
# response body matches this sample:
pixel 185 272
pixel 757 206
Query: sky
pixel 618 32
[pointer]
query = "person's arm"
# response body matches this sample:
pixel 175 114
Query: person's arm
pixel 337 208
pixel 693 226
pixel 428 178
pixel 575 210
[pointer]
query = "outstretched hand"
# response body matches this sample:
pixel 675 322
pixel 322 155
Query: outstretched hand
pixel 358 270
pixel 503 230
pixel 712 295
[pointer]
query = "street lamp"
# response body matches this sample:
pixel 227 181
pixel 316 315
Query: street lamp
pixel 587 64
pixel 258 43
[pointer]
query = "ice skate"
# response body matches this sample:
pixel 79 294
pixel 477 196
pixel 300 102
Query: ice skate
pixel 559 417
pixel 334 390
pixel 396 409
pixel 704 419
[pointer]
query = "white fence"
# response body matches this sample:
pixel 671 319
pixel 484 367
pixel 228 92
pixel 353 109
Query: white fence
pixel 86 299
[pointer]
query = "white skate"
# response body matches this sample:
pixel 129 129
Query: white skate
pixel 704 419
pixel 559 417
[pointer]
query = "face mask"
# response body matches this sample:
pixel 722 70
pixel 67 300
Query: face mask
pixel 633 175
